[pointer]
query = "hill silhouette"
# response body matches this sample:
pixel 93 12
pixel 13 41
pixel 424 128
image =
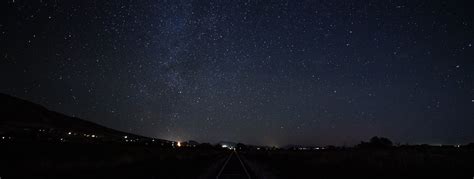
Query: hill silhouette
pixel 39 143
pixel 20 117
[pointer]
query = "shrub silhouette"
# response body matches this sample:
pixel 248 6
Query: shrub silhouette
pixel 376 142
pixel 241 147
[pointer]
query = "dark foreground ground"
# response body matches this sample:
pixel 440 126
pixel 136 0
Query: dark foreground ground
pixel 106 161
pixel 63 160
pixel 411 162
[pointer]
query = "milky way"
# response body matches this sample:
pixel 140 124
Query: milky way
pixel 259 72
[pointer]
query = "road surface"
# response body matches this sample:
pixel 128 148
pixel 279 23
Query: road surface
pixel 233 168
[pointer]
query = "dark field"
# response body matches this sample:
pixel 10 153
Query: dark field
pixel 67 160
pixel 419 162
pixel 106 161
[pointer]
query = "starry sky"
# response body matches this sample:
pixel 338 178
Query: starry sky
pixel 260 72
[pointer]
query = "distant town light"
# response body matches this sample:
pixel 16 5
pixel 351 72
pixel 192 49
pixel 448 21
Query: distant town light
pixel 69 133
pixel 125 137
pixel 93 136
pixel 178 144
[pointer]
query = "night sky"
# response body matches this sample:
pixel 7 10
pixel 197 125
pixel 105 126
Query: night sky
pixel 258 72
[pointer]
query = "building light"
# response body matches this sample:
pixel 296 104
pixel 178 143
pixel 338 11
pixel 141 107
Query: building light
pixel 178 144
pixel 93 136
pixel 125 137
pixel 69 133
